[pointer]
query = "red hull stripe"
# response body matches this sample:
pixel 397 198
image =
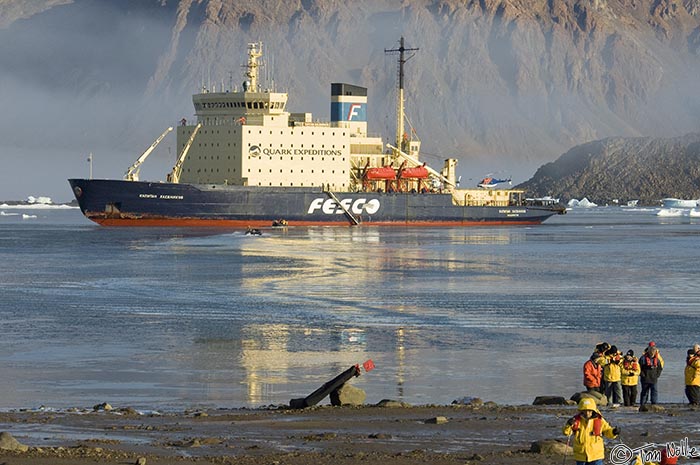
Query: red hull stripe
pixel 191 222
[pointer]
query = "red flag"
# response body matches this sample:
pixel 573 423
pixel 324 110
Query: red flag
pixel 368 365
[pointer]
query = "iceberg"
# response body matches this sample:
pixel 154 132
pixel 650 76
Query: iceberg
pixel 40 200
pixel 583 203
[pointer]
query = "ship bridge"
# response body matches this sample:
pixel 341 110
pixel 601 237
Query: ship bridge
pixel 220 108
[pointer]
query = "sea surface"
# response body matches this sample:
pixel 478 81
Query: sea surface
pixel 168 319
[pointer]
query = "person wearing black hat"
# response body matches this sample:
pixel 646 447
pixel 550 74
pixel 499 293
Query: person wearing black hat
pixel 629 369
pixel 612 376
pixel 651 365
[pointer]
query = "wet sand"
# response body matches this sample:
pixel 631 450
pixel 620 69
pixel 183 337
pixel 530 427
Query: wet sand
pixel 486 433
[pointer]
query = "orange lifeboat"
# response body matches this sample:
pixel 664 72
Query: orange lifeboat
pixel 417 172
pixel 383 173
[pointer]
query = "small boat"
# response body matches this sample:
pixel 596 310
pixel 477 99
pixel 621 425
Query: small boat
pixel 281 223
pixel 253 232
pixel 678 203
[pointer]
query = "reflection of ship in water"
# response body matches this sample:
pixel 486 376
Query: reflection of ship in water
pixel 272 357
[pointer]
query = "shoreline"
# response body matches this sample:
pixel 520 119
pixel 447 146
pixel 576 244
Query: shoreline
pixel 324 435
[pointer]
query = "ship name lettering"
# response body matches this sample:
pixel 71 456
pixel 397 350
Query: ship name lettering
pixel 171 197
pixel 308 152
pixel 358 207
pixel 148 196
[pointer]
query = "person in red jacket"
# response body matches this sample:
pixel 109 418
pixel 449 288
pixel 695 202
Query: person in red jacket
pixel 593 368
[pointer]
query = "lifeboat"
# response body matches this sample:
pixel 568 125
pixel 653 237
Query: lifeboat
pixel 417 172
pixel 385 172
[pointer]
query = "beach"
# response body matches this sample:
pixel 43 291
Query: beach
pixel 398 435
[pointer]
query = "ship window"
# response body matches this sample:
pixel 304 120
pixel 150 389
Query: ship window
pixel 259 170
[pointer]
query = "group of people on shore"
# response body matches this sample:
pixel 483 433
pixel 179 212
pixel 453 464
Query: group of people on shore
pixel 616 376
pixel 609 373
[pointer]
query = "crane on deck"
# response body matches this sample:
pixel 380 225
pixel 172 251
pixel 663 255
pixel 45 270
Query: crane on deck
pixel 174 175
pixel 132 174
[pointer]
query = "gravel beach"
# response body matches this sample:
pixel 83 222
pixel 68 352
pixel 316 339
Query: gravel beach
pixel 453 434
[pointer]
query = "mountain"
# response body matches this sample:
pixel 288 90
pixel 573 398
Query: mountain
pixel 643 168
pixel 503 85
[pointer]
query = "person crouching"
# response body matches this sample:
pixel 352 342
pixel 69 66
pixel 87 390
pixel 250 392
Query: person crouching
pixel 588 428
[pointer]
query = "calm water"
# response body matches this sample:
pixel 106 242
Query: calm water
pixel 175 318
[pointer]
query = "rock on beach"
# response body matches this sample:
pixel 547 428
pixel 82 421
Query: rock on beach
pixel 8 442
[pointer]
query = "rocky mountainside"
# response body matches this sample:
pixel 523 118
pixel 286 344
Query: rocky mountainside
pixel 643 168
pixel 504 85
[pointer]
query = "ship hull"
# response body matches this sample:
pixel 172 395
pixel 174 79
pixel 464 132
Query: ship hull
pixel 133 203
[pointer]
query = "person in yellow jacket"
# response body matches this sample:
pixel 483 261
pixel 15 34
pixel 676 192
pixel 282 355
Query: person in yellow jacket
pixel 612 376
pixel 692 376
pixel 588 428
pixel 629 375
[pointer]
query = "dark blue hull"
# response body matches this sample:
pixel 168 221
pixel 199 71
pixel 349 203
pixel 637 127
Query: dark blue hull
pixel 133 203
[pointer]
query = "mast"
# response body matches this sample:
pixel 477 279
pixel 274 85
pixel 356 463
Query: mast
pixel 400 101
pixel 254 52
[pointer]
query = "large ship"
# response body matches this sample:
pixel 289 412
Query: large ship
pixel 248 162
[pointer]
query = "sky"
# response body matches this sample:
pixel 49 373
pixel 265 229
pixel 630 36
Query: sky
pixel 72 81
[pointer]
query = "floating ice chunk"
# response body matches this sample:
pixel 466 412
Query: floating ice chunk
pixel 670 212
pixel 27 217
